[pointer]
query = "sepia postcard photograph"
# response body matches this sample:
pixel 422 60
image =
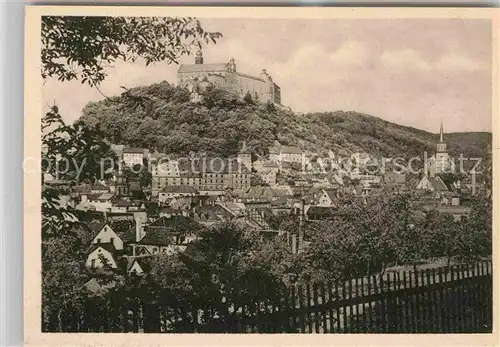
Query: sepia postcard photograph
pixel 277 175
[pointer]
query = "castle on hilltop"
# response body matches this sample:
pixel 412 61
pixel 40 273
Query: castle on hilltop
pixel 441 162
pixel 198 77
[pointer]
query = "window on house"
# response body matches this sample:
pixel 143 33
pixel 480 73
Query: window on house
pixel 93 264
pixel 98 240
pixel 112 240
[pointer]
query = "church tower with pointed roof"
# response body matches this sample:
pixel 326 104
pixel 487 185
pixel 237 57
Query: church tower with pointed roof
pixel 441 162
pixel 441 146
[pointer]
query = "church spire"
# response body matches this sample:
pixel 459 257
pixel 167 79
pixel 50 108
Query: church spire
pixel 441 135
pixel 441 146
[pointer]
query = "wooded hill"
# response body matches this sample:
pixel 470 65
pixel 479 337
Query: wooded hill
pixel 160 117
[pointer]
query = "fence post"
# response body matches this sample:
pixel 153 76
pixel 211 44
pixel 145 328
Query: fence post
pixel 317 312
pixel 325 310
pixel 329 303
pixel 384 304
pixel 301 312
pixel 308 305
pixel 340 325
pixel 418 310
pixel 293 310
pixel 351 308
pixel 453 301
pixel 363 306
pixel 345 319
pixel 376 304
pixel 481 295
pixel 369 315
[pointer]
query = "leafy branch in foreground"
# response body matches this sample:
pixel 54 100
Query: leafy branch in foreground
pixel 82 47
pixel 73 153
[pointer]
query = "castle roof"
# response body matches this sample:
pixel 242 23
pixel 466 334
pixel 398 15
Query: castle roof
pixel 250 76
pixel 187 68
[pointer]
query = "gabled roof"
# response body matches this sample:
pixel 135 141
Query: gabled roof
pixel 187 68
pixel 265 212
pixel 321 210
pixel 262 193
pixel 133 150
pixel 215 212
pixel 127 236
pixel 282 201
pixel 102 197
pixel 331 193
pixel 438 184
pixel 96 226
pixel 270 164
pixel 162 231
pixel 123 203
pixel 143 261
pixel 106 246
pixel 169 210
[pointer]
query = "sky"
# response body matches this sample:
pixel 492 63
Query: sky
pixel 413 72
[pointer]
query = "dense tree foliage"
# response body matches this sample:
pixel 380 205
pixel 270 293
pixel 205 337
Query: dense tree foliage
pixel 161 117
pixel 232 264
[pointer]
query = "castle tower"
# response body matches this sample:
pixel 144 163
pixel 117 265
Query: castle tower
pixel 245 156
pixel 231 66
pixel 264 75
pixel 199 57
